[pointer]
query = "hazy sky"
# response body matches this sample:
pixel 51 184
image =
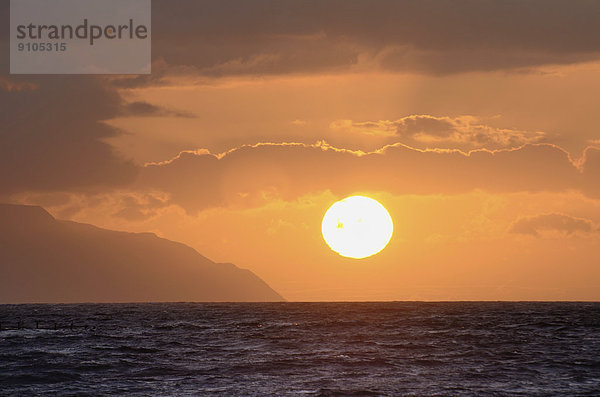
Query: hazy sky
pixel 475 123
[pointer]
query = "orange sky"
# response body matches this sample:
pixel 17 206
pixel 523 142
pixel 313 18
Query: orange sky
pixel 472 139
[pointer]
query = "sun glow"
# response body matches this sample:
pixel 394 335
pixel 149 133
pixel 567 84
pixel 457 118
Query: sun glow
pixel 357 227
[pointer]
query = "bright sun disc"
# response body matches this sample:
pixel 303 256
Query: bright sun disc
pixel 357 227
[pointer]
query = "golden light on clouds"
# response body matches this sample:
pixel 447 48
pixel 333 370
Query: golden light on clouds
pixel 357 227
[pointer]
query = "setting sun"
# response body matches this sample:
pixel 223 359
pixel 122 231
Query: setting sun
pixel 357 227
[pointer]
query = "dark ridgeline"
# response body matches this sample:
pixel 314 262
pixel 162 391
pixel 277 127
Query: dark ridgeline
pixel 47 260
pixel 315 349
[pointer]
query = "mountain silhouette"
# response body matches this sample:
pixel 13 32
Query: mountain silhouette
pixel 43 259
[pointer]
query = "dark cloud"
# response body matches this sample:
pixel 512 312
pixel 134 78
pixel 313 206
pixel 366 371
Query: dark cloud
pixel 552 223
pixel 231 37
pixel 252 175
pixel 52 135
pixel 429 36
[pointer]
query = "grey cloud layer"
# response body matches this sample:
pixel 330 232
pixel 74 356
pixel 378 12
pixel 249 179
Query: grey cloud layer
pixel 252 175
pixel 230 37
pixel 427 36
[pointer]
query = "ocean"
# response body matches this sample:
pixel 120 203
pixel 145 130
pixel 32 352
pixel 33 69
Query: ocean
pixel 306 349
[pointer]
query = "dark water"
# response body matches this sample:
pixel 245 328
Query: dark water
pixel 528 349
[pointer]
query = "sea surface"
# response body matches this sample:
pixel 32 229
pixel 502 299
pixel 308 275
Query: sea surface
pixel 306 349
